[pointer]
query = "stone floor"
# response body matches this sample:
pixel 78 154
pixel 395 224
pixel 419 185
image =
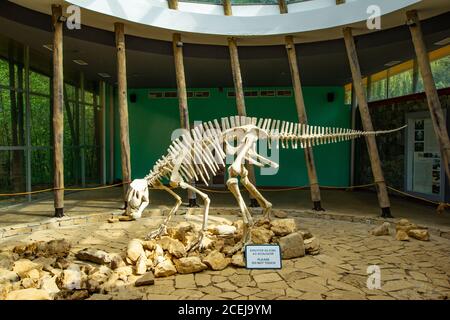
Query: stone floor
pixel 409 270
pixel 357 203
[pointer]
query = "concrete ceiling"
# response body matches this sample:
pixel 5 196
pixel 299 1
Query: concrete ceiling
pixel 150 62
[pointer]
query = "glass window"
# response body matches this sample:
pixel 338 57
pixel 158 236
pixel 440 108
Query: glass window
pixel 5 118
pixel 4 72
pixel 88 97
pixel 400 84
pixel 40 121
pixel 12 171
pixel 441 72
pixel 41 167
pixel 378 90
pixel 39 83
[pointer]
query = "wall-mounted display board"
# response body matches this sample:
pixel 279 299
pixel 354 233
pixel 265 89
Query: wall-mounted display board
pixel 425 175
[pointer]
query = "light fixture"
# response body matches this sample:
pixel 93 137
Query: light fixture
pixel 104 75
pixel 48 47
pixel 443 42
pixel 80 62
pixel 392 63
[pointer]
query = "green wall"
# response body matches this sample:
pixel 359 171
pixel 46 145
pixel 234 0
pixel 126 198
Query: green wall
pixel 152 121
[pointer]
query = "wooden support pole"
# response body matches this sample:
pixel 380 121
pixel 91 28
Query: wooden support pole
pixel 111 134
pixel 283 6
pixel 240 101
pixel 380 184
pixel 123 107
pixel 58 101
pixel 27 122
pixel 177 45
pixel 301 112
pixel 82 128
pixel 173 4
pixel 227 8
pixel 102 129
pixel 434 104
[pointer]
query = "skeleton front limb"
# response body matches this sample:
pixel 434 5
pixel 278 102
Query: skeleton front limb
pixel 199 243
pixel 163 227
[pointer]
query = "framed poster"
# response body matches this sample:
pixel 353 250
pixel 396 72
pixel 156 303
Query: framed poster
pixel 425 175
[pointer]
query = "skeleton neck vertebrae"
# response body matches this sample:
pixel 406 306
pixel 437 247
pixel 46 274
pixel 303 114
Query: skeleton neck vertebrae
pixel 201 153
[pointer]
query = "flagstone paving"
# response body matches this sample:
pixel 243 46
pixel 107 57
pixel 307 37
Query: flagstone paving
pixel 409 270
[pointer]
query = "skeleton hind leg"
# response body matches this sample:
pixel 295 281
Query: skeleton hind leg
pixel 251 188
pixel 233 186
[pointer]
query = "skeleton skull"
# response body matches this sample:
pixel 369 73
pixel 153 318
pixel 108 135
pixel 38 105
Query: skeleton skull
pixel 137 198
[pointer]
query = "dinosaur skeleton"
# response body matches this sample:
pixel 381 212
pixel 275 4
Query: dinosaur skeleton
pixel 203 152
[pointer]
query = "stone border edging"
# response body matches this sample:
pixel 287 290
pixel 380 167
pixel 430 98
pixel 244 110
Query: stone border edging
pixel 52 223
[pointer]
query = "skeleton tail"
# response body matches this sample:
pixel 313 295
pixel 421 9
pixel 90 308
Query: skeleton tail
pixel 297 134
pixel 306 136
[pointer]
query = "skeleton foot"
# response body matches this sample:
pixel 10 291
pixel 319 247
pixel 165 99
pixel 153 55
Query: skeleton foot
pixel 161 231
pixel 202 243
pixel 240 246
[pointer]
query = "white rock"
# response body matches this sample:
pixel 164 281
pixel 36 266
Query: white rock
pixel 292 246
pixel 190 265
pixel 49 284
pixel 124 272
pixel 8 276
pixel 173 246
pixel 135 249
pixel 216 260
pixel 238 260
pixel 382 230
pixel 141 265
pixel 312 246
pixel 283 227
pixel 71 278
pixel 93 255
pixel 21 267
pixel 223 230
pixel 28 294
pixel 261 235
pixel 165 269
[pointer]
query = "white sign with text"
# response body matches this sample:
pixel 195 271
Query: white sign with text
pixel 263 257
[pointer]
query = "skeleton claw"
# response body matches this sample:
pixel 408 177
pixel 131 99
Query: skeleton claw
pixel 161 231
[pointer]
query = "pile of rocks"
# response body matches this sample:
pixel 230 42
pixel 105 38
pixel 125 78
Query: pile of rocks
pixel 404 230
pixel 168 254
pixel 48 270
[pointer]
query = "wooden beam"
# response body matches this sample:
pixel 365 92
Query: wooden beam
pixel 102 114
pixel 58 101
pixel 111 134
pixel 237 77
pixel 123 107
pixel 283 6
pixel 177 45
pixel 173 4
pixel 181 81
pixel 227 8
pixel 383 197
pixel 434 104
pixel 301 112
pixel 240 101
